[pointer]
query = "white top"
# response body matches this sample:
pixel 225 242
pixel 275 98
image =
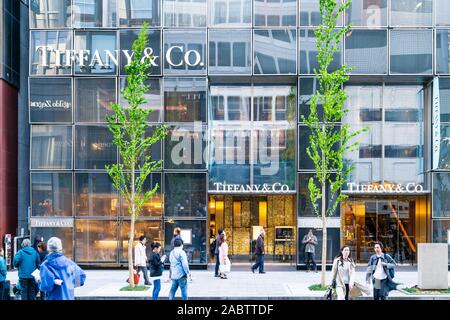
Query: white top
pixel 140 256
pixel 379 271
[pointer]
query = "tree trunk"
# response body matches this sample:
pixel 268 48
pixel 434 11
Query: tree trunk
pixel 131 238
pixel 324 238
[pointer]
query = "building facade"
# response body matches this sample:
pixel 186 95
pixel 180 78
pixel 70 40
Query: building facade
pixel 232 80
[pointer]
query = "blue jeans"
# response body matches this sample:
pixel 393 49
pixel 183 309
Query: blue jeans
pixel 156 288
pixel 259 263
pixel 182 283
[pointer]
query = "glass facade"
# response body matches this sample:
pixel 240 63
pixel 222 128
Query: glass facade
pixel 232 79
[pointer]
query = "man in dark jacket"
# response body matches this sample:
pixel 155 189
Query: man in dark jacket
pixel 380 270
pixel 176 235
pixel 259 252
pixel 216 252
pixel 27 260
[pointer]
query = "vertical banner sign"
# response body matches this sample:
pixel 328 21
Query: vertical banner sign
pixel 436 124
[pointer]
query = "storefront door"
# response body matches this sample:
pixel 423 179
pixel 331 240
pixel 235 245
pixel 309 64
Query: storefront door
pixel 389 220
pixel 242 217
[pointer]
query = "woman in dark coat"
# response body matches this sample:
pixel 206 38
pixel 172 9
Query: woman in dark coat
pixel 156 263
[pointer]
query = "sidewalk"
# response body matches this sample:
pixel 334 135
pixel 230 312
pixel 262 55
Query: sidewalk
pixel 242 284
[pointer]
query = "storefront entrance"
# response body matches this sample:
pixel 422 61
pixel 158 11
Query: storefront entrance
pixel 243 216
pixel 398 222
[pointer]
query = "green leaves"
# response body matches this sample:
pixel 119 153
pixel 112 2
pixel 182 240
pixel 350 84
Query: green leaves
pixel 130 133
pixel 329 140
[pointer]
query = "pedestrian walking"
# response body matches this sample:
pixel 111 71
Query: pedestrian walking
pixel 216 252
pixel 59 275
pixel 225 264
pixel 27 261
pixel 140 259
pixel 259 252
pixel 42 251
pixel 3 273
pixel 310 242
pixel 176 235
pixel 156 263
pixel 343 273
pixel 179 268
pixel 381 270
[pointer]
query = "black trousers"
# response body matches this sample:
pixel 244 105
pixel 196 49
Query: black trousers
pixel 28 289
pixel 145 272
pixel 1 290
pixel 347 289
pixel 378 293
pixel 310 257
pixel 217 265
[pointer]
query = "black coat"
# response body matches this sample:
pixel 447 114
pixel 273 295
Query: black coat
pixel 156 265
pixel 259 248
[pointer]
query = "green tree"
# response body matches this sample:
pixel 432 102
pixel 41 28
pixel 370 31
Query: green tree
pixel 329 141
pixel 129 128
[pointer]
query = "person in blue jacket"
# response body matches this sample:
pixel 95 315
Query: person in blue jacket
pixel 2 273
pixel 27 260
pixel 59 275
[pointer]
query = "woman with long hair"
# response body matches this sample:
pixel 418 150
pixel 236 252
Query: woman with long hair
pixel 343 273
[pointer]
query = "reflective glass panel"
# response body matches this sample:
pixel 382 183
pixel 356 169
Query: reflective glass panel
pixel 441 195
pixel 275 13
pixel 51 194
pixel 65 234
pixel 133 13
pixel 127 37
pixel 95 195
pixel 308 53
pixel 50 100
pixel 230 13
pixel 184 13
pixel 44 60
pixel 184 99
pixel 443 153
pixel 403 134
pixel 185 194
pixel 152 230
pixel 443 51
pixel 94 148
pixel 101 57
pixel 50 14
pixel 93 98
pixel 310 13
pixel 275 51
pixel 333 244
pixel 193 234
pixel 230 52
pixel 154 206
pixel 442 8
pixel 308 87
pixel 185 147
pixel 411 51
pixel 366 51
pixel 185 52
pixel 51 147
pixel 153 97
pixel 96 241
pixel 94 13
pixel 367 13
pixel 411 13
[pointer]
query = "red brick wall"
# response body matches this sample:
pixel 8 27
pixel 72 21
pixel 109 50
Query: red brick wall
pixel 8 159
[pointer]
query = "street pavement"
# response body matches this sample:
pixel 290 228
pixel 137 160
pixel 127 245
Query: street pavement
pixel 280 282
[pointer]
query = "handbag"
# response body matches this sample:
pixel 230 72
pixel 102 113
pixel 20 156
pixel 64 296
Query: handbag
pixel 136 277
pixel 329 293
pixel 225 268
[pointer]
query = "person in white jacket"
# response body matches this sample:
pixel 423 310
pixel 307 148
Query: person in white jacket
pixel 140 258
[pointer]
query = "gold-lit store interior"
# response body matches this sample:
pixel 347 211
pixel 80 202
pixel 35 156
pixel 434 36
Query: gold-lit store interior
pixel 398 222
pixel 242 217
